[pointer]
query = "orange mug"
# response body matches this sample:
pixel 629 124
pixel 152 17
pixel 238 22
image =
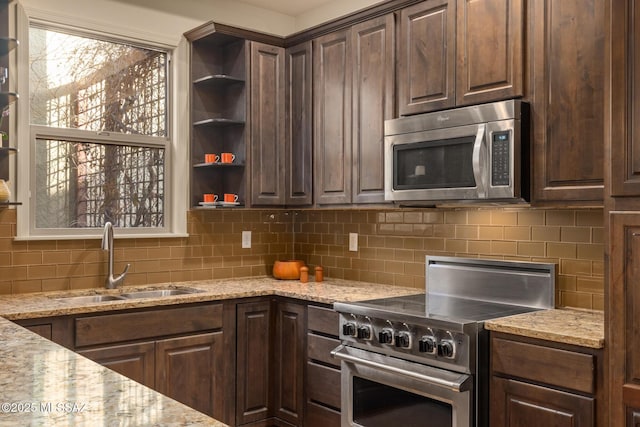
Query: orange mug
pixel 211 158
pixel 230 198
pixel 227 157
pixel 210 198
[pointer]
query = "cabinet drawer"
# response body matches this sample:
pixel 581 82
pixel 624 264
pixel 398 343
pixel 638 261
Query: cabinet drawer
pixel 548 365
pixel 319 348
pixel 323 320
pixel 112 328
pixel 321 416
pixel 323 384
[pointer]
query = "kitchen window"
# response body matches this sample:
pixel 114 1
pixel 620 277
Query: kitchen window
pixel 100 141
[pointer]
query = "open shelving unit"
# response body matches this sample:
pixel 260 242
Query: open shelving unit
pixel 219 99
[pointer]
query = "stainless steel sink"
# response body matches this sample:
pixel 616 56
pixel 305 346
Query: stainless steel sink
pixel 156 293
pixel 90 298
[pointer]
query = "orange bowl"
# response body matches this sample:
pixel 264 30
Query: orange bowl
pixel 287 270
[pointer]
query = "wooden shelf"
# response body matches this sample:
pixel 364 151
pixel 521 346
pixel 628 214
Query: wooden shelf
pixel 7 44
pixel 219 122
pixel 218 80
pixel 218 165
pixel 7 98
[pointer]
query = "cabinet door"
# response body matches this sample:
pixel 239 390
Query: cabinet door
pixel 299 134
pixel 267 125
pixel 568 102
pixel 624 80
pixel 135 361
pixel 518 404
pixel 191 370
pixel 426 63
pixel 489 45
pixel 332 117
pixel 624 310
pixel 254 397
pixel 289 360
pixel 373 103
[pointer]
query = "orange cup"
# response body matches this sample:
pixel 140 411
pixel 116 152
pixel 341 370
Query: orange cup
pixel 211 158
pixel 227 157
pixel 210 198
pixel 230 198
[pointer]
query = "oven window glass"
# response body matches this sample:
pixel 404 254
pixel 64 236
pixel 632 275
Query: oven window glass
pixel 379 405
pixel 434 164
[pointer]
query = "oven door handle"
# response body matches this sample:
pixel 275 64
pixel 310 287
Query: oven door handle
pixel 460 385
pixel 478 161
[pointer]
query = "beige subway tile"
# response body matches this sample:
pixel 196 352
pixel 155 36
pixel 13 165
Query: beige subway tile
pixel 597 268
pixel 455 217
pixel 575 267
pixel 414 268
pixel 479 247
pixel 62 270
pixel 504 248
pixel 562 250
pixel 479 217
pixel 503 217
pixel 531 217
pixel 592 285
pixel 575 234
pixel 202 274
pixel 434 244
pixel 159 277
pixel 385 253
pixel 41 245
pixel 88 282
pixel 56 257
pixel 566 283
pixel 403 254
pixel 6 244
pixel 350 274
pixel 242 271
pixel 62 284
pixel 394 242
pixel 576 299
pixel 491 233
pixel 84 255
pixel 42 272
pixel 517 233
pixel 597 235
pixel 403 229
pixel 72 244
pixel 381 217
pixel 545 234
pixel 412 217
pixel 415 243
pixel 26 286
pixel 101 268
pixel 467 232
pixel 396 267
pixel 529 249
pixel 591 218
pixel 598 302
pixel 26 258
pixel 456 246
pixel 384 278
pixel 382 229
pixel 148 266
pixel 6 230
pixel 393 217
pixel 403 280
pixel 181 276
pixel 444 230
pixel 5 288
pixel 330 261
pixel 561 217
pixel 375 242
pixel 423 229
pixel 433 217
pixel 591 252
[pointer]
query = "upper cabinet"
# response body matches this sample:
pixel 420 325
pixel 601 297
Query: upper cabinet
pixel 353 96
pixel 460 52
pixel 567 104
pixel 267 124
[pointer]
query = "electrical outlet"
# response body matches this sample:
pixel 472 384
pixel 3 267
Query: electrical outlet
pixel 246 239
pixel 353 242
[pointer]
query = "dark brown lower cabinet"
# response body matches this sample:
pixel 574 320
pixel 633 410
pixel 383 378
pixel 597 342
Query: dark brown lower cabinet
pixel 56 329
pixel 135 361
pixel 191 370
pixel 539 383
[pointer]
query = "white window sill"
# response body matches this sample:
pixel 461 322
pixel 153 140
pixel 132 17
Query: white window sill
pixel 99 236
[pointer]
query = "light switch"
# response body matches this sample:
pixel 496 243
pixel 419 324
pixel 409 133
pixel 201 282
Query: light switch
pixel 246 239
pixel 353 242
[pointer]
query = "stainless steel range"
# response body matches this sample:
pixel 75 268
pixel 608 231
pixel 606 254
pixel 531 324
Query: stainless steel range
pixel 422 360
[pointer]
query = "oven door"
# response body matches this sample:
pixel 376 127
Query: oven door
pixel 381 391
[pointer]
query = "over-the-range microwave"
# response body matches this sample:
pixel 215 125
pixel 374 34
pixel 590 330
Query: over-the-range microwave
pixel 477 153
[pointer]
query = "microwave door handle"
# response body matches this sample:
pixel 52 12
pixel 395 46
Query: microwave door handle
pixel 479 151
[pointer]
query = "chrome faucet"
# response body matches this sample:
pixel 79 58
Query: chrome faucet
pixel 107 245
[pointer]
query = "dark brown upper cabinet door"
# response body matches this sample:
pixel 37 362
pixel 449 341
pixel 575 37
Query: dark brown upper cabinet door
pixel 624 128
pixel 332 118
pixel 299 178
pixel 568 52
pixel 426 63
pixel 489 37
pixel 373 103
pixel 267 125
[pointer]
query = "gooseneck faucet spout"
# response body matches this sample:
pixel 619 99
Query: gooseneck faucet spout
pixel 107 245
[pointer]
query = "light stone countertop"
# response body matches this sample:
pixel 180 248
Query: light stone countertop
pixel 584 328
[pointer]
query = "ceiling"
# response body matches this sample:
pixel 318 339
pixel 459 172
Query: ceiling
pixel 287 7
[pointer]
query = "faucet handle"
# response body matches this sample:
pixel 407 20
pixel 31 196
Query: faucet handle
pixel 125 270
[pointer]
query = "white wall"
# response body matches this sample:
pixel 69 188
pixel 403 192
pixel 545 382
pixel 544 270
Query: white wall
pixel 329 12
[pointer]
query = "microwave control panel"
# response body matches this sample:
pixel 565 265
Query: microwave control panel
pixel 500 159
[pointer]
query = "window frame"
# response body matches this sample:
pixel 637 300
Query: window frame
pixel 175 166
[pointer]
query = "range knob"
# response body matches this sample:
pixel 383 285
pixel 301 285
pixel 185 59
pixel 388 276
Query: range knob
pixel 364 332
pixel 427 344
pixel 446 348
pixel 349 329
pixel 385 336
pixel 403 339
